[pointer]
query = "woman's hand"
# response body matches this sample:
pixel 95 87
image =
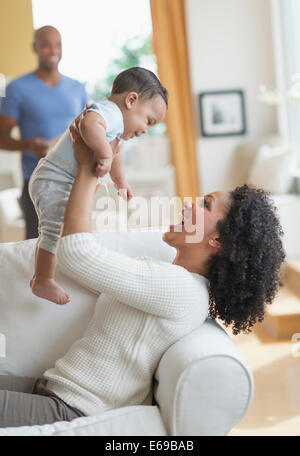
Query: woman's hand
pixel 80 116
pixel 83 113
pixel 84 155
pixel 81 199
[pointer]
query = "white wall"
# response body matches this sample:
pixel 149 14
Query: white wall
pixel 230 47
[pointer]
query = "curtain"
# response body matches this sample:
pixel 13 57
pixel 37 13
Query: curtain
pixel 170 47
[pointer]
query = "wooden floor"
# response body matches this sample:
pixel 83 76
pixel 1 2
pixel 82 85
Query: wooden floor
pixel 275 409
pixel 272 351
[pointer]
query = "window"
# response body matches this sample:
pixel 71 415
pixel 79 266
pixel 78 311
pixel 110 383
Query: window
pixel 93 32
pixel 99 39
pixel 288 27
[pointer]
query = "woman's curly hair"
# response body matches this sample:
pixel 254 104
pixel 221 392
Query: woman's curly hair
pixel 245 274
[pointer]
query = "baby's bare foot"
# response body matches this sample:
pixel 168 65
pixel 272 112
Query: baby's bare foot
pixel 48 289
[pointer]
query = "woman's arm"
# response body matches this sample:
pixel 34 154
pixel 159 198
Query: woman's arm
pixel 78 214
pixel 160 289
pixel 157 288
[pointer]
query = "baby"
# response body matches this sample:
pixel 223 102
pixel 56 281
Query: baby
pixel 137 102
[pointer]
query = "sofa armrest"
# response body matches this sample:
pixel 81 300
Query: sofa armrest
pixel 204 385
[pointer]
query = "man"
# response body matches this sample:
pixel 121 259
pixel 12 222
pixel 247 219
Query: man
pixel 42 103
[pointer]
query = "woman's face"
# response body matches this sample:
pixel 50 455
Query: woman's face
pixel 199 222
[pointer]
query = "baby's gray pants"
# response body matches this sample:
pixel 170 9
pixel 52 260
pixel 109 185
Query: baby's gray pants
pixel 49 188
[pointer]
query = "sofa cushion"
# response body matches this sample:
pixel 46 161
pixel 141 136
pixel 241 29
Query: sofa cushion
pixel 36 331
pixel 272 169
pixel 127 421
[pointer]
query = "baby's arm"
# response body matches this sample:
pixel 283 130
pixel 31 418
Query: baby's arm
pixel 117 170
pixel 93 132
pixel 118 177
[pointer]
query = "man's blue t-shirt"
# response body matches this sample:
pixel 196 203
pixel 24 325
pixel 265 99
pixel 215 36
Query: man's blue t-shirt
pixel 42 111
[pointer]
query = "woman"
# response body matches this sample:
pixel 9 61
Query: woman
pixel 146 305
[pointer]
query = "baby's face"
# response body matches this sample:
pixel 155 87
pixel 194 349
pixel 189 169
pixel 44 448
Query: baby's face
pixel 142 114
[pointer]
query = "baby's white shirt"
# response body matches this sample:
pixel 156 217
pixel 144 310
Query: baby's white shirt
pixel 62 154
pixel 112 116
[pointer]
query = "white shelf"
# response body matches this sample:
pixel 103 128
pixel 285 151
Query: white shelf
pixel 152 181
pixel 150 174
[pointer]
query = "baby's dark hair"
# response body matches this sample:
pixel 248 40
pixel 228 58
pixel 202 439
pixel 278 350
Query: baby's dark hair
pixel 245 274
pixel 144 82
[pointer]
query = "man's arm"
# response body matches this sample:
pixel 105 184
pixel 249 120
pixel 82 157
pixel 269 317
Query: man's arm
pixel 6 141
pixel 37 145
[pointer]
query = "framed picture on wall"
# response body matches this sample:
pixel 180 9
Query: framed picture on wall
pixel 222 113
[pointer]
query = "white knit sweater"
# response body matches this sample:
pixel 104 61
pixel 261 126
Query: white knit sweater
pixel 144 307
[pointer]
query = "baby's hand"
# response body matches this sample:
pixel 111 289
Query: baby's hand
pixel 124 190
pixel 102 166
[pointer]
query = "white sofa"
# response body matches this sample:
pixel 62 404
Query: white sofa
pixel 12 224
pixel 202 386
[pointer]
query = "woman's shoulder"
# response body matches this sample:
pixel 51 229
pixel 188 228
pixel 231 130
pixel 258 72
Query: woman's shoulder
pixel 177 272
pixel 189 289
